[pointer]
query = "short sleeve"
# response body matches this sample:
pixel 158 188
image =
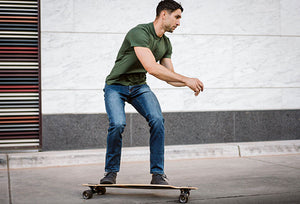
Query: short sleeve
pixel 169 51
pixel 138 37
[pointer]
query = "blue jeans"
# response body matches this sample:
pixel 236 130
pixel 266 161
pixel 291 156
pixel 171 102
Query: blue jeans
pixel 146 103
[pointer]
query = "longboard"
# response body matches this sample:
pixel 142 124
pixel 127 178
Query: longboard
pixel 100 189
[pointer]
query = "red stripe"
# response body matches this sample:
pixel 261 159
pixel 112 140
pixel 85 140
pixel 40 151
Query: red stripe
pixel 18 48
pixel 18 56
pixel 17 21
pixel 18 133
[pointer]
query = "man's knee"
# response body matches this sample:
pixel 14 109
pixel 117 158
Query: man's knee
pixel 117 126
pixel 156 120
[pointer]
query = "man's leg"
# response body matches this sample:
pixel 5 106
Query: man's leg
pixel 114 104
pixel 146 103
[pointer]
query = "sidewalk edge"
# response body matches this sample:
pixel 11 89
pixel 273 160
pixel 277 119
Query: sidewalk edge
pixel 173 152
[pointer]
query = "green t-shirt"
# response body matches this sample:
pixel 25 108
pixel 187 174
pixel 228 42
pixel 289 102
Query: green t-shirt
pixel 128 70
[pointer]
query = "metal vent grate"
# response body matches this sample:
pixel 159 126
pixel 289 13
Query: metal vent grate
pixel 20 118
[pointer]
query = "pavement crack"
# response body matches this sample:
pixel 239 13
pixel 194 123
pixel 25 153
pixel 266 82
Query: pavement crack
pixel 8 178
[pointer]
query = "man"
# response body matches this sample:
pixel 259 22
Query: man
pixel 142 48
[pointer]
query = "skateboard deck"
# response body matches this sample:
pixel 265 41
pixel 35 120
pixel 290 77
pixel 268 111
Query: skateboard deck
pixel 100 189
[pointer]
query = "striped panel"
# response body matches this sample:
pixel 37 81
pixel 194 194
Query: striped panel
pixel 20 115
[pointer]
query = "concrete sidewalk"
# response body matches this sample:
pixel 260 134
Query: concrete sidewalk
pixel 261 179
pixel 224 173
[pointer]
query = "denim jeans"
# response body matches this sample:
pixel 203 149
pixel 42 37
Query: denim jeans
pixel 146 103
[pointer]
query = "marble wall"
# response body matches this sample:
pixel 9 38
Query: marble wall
pixel 247 53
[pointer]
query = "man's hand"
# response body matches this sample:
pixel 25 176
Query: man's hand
pixel 195 84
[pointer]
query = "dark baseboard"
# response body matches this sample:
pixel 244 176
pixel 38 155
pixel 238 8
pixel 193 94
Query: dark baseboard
pixel 88 131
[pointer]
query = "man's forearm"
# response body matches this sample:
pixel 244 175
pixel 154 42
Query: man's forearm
pixel 177 84
pixel 167 75
pixel 175 79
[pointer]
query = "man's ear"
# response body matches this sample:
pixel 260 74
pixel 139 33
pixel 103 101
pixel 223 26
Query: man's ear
pixel 163 14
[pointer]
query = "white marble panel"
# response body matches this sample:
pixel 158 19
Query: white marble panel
pixel 208 58
pixel 58 102
pixel 57 15
pixel 177 100
pixel 57 59
pixel 94 56
pixel 80 40
pixel 236 61
pixel 89 101
pixel 182 99
pixel 116 16
pixel 77 60
pixel 291 98
pixel 205 17
pixel 257 62
pixel 290 62
pixel 290 17
pixel 255 17
pixel 75 101
pixel 259 17
pixel 72 101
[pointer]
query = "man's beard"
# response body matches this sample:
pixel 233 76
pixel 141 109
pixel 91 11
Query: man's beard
pixel 169 29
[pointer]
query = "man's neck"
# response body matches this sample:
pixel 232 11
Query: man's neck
pixel 159 30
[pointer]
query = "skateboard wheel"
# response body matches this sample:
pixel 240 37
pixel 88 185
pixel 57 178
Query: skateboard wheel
pixel 87 194
pixel 100 190
pixel 183 198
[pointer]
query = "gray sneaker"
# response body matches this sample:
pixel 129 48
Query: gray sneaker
pixel 159 179
pixel 109 178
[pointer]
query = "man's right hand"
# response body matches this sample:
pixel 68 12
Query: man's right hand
pixel 195 84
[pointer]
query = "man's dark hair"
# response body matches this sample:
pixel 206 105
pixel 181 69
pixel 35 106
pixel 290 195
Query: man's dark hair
pixel 169 5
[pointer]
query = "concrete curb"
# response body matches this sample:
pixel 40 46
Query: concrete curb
pixel 269 148
pixel 95 156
